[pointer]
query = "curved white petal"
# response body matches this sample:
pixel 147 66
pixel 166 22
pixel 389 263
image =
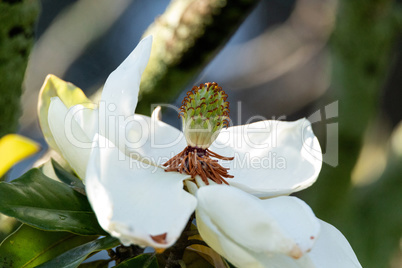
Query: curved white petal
pixel 151 139
pixel 86 118
pixel 73 142
pixel 134 201
pixel 212 235
pixel 248 231
pixel 332 250
pixel 120 93
pixel 122 86
pixel 271 158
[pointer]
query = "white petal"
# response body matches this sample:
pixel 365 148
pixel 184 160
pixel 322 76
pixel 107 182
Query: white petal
pixel 86 118
pixel 271 157
pixel 71 139
pixel 191 187
pixel 247 230
pixel 332 250
pixel 296 218
pixel 134 201
pixel 122 86
pixel 152 140
pixel 212 235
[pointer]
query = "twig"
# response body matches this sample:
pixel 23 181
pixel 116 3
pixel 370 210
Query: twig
pixel 186 37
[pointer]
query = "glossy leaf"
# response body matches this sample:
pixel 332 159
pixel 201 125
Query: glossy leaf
pixel 68 93
pixel 39 201
pixel 14 148
pixel 68 178
pixel 29 247
pixel 74 257
pixel 143 260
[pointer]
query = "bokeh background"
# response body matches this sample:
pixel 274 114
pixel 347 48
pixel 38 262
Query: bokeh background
pixel 336 62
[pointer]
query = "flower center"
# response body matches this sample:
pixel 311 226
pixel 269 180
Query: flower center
pixel 205 112
pixel 197 161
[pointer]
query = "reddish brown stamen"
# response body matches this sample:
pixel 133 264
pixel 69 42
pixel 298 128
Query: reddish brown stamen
pixel 197 161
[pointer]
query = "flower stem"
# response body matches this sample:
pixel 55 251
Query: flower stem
pixel 207 25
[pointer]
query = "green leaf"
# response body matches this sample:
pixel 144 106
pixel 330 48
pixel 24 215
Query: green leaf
pixel 68 178
pixel 29 247
pixel 41 202
pixel 75 256
pixel 143 260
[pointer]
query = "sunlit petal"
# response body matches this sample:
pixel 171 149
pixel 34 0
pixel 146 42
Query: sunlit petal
pixel 332 250
pixel 271 157
pixel 86 118
pixel 246 230
pixel 120 92
pixel 136 202
pixel 153 140
pixel 74 144
pixel 68 93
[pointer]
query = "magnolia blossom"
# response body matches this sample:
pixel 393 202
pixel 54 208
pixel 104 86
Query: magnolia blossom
pixel 252 222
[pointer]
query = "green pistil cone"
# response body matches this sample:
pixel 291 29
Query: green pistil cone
pixel 205 112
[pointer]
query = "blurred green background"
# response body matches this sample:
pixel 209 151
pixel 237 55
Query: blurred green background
pixel 337 63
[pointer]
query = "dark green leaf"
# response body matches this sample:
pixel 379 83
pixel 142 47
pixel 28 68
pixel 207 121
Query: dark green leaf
pixel 39 201
pixel 68 178
pixel 143 260
pixel 29 247
pixel 75 256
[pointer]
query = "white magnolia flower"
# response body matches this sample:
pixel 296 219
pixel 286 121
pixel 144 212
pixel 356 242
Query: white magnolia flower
pixel 252 222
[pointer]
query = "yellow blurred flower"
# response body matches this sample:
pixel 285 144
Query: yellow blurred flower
pixel 14 148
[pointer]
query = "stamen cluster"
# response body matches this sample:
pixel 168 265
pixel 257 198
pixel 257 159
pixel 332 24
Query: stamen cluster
pixel 205 112
pixel 197 161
